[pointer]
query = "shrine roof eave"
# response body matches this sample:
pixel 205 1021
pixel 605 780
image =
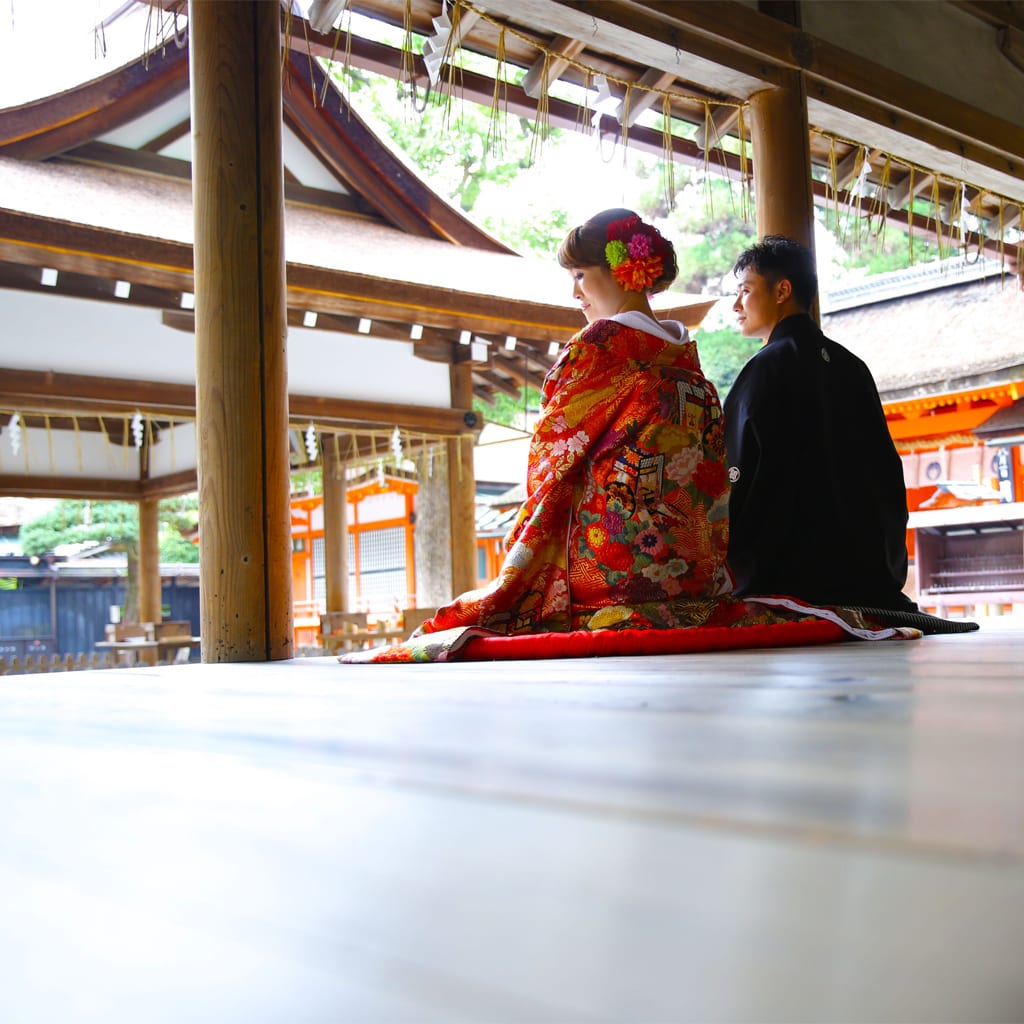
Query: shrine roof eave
pixel 139 228
pixel 1006 383
pixel 1006 422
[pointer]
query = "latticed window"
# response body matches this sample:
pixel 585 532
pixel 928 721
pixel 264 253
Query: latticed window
pixel 319 571
pixel 382 577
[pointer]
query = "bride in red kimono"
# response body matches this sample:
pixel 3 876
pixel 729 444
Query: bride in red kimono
pixel 625 523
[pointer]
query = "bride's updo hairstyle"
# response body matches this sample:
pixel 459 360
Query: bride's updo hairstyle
pixel 638 254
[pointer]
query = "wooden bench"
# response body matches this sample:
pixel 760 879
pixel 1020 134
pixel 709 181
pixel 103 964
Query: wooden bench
pixel 338 629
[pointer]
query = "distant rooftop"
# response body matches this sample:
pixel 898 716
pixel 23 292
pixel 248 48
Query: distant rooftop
pixel 937 328
pixel 923 277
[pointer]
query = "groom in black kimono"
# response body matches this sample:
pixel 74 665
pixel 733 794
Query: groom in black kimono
pixel 818 508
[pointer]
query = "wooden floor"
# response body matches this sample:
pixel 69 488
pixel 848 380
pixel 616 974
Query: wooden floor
pixel 822 834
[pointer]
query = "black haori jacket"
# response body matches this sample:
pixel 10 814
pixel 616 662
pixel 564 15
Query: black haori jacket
pixel 818 508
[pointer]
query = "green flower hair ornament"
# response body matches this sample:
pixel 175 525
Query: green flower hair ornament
pixel 615 252
pixel 636 253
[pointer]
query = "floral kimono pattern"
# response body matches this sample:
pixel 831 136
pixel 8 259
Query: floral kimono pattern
pixel 625 523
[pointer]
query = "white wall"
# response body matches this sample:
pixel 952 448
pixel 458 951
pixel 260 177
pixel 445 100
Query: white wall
pixel 40 331
pixel 51 332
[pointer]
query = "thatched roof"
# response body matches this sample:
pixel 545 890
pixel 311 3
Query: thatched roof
pixel 933 330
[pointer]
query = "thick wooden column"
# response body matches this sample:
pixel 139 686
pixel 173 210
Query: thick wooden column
pixel 149 561
pixel 782 162
pixel 335 522
pixel 462 488
pixel 241 375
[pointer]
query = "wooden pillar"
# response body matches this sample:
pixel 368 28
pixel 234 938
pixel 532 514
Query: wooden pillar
pixel 782 162
pixel 462 488
pixel 240 314
pixel 335 522
pixel 149 561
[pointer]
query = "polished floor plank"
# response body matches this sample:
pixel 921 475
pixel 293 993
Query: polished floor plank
pixel 819 834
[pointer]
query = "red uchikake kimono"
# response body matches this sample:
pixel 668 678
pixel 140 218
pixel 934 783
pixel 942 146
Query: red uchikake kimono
pixel 625 523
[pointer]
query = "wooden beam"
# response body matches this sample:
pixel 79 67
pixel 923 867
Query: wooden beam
pixel 184 481
pixel 850 83
pixel 994 12
pixel 346 145
pixel 641 97
pixel 346 413
pixel 169 137
pixel 498 382
pixel 548 67
pixel 516 366
pixel 179 320
pixel 121 158
pixel 723 120
pixel 96 488
pixel 31 132
pixel 40 242
pixel 1011 45
pixel 645 36
pixel 46 391
pixel 902 193
pixel 377 298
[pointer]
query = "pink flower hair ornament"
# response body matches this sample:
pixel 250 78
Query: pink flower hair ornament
pixel 636 253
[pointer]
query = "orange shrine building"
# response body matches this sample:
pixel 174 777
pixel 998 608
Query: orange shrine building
pixel 945 346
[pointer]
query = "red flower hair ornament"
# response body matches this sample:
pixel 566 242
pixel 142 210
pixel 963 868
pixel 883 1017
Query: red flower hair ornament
pixel 636 253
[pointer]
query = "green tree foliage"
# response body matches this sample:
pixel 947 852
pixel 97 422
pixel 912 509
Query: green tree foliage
pixel 722 355
pixel 457 145
pixel 508 411
pixel 307 481
pixel 530 230
pixel 81 522
pixel 889 249
pixel 706 224
pixel 115 526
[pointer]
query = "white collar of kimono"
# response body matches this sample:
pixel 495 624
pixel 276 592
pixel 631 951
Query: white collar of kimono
pixel 667 330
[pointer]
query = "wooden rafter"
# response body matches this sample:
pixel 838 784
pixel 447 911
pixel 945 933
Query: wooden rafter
pixel 643 98
pixel 43 392
pixel 548 67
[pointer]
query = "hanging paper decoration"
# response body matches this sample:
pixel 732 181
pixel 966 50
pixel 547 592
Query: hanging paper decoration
pixel 600 100
pixel 396 446
pixel 434 47
pixel 137 429
pixel 380 473
pixel 860 187
pixel 311 448
pixel 14 432
pixel 964 216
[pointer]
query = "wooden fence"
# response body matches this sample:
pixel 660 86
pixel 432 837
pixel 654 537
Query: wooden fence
pixel 56 663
